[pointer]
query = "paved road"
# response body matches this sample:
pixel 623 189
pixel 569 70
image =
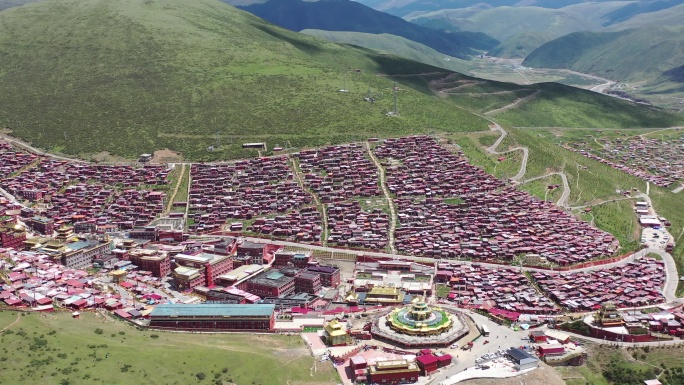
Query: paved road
pixel 11 197
pixel 500 337
pixel 670 267
pixel 492 150
pixel 388 197
pixel 27 146
pixel 563 200
pixel 514 104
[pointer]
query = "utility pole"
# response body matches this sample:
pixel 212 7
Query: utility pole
pixel 395 98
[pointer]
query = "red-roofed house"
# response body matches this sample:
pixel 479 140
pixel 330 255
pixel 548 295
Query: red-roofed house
pixel 428 363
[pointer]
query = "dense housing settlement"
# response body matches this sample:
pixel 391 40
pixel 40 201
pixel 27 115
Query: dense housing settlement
pixel 85 237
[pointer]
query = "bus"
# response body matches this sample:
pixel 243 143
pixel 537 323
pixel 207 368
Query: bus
pixel 485 330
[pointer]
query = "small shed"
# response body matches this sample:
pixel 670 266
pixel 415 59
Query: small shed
pixel 538 336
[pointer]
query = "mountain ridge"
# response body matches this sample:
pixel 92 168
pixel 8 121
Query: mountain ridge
pixel 351 16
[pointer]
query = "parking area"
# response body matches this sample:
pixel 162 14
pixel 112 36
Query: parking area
pixel 655 238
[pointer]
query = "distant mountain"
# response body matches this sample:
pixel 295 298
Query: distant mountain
pixel 648 56
pixel 520 29
pixel 519 46
pixel 407 7
pixel 638 8
pixel 351 16
pixel 4 4
pixel 394 45
pixel 670 17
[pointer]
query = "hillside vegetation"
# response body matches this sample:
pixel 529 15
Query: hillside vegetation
pixel 4 4
pixel 54 348
pixel 351 16
pixel 395 45
pixel 633 55
pixel 406 7
pixel 521 29
pixel 132 76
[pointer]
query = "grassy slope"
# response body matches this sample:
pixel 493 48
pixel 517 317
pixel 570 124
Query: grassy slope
pixel 671 206
pixel 670 17
pixel 4 4
pixel 635 55
pixel 563 106
pixel 520 29
pixel 132 76
pixel 393 44
pixel 346 15
pixel 172 358
pixel 406 7
pixel 506 22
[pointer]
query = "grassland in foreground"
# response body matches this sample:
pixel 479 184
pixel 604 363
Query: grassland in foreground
pixel 608 365
pixel 56 349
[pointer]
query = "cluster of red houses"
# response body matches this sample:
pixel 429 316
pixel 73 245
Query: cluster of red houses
pixel 497 225
pixel 350 226
pixel 12 161
pixel 303 225
pixel 481 287
pixel 94 208
pixel 87 196
pixel 638 283
pixel 39 282
pixel 419 166
pixel 245 190
pixel 468 213
pixel 659 162
pixel 338 173
pixel 48 178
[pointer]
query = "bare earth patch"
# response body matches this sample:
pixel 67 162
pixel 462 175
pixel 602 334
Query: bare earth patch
pixel 106 157
pixel 166 156
pixel 545 375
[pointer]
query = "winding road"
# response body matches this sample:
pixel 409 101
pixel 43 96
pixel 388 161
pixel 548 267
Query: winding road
pixel 563 200
pixel 324 212
pixel 388 197
pixel 492 150
pixel 514 104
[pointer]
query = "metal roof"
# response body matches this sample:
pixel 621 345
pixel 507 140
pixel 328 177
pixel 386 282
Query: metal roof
pixel 217 310
pixel 521 356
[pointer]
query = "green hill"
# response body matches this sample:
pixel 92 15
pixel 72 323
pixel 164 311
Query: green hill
pixel 519 46
pixel 520 29
pixel 133 76
pixel 506 22
pixel 406 7
pixel 4 4
pixel 639 55
pixel 351 16
pixel 671 17
pixel 396 45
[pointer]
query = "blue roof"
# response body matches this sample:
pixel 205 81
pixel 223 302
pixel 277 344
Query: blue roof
pixel 212 309
pixel 79 245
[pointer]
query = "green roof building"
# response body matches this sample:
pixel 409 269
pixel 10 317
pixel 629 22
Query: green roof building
pixel 214 317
